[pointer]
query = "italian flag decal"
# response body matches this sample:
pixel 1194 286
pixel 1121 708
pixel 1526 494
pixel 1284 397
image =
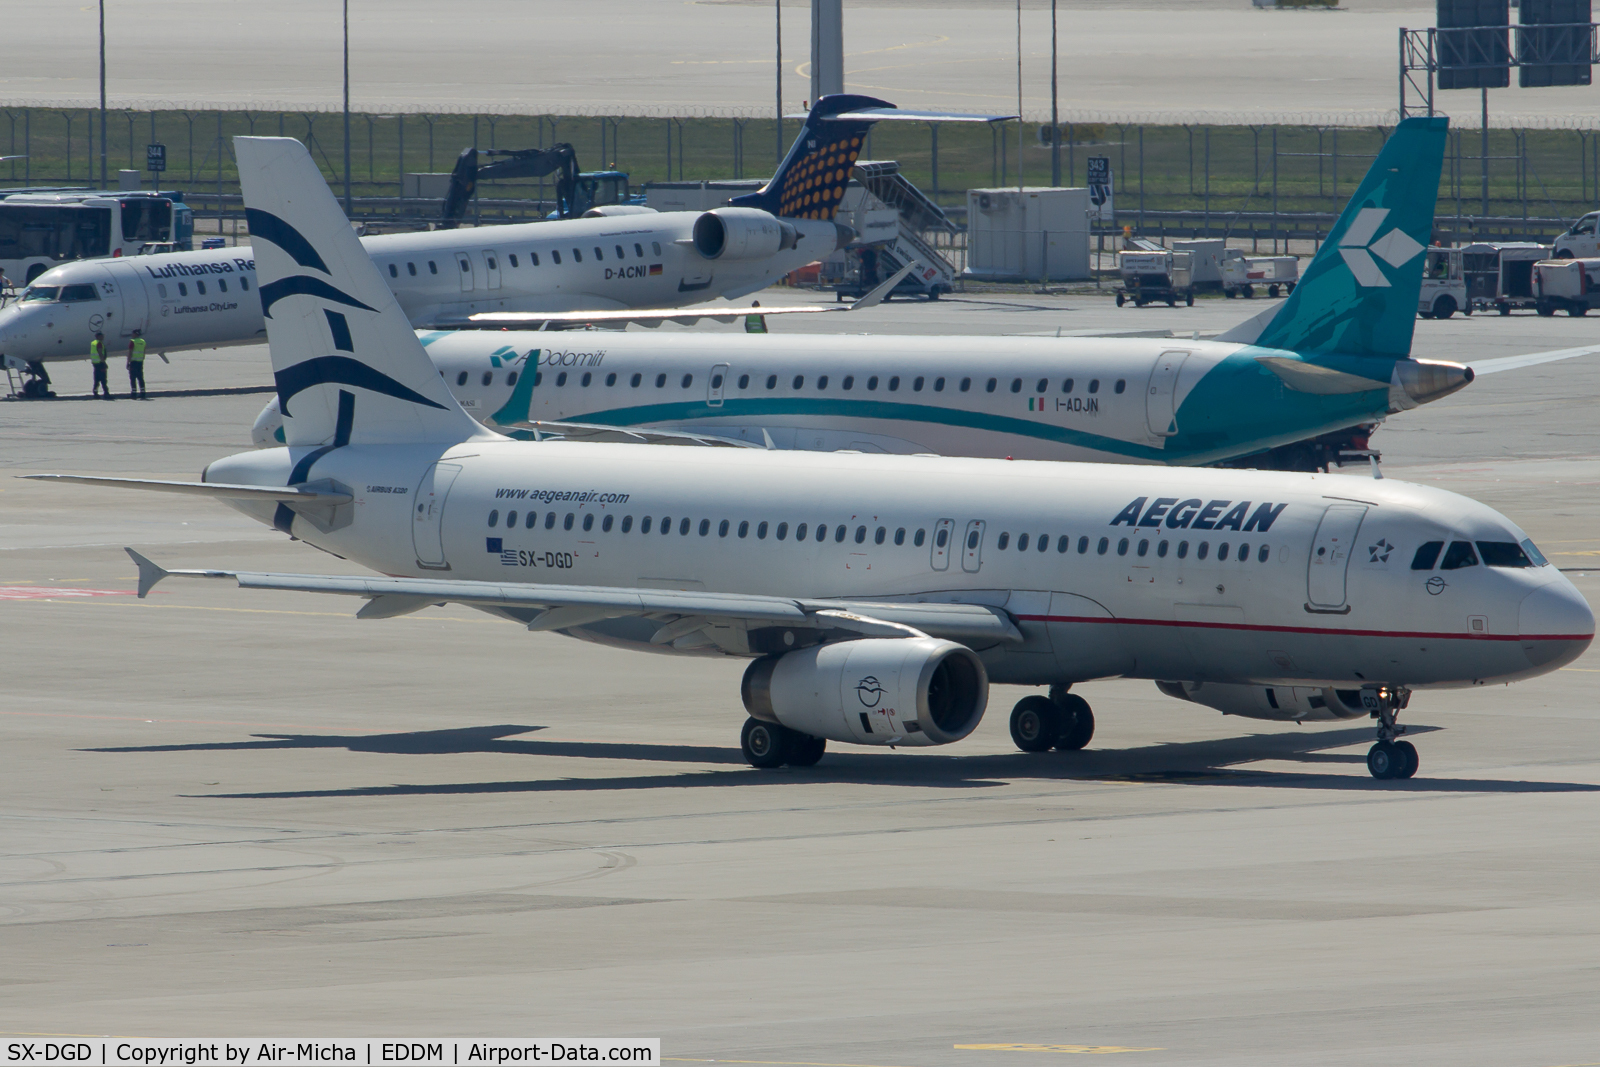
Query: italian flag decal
pixel 1036 403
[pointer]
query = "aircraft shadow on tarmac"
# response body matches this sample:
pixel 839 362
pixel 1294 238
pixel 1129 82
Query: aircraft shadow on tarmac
pixel 1210 762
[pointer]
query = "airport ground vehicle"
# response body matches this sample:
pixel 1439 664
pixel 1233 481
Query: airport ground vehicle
pixel 1156 277
pixel 863 628
pixel 1580 241
pixel 1242 275
pixel 1499 277
pixel 39 230
pixel 1444 285
pixel 1570 285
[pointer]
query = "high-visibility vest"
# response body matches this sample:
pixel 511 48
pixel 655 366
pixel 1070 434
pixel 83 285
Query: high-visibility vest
pixel 755 324
pixel 136 350
pixel 97 351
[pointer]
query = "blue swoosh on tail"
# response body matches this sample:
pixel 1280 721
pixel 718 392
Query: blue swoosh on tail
pixel 340 370
pixel 269 227
pixel 303 285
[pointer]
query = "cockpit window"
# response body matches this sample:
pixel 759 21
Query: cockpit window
pixel 1427 555
pixel 41 294
pixel 73 294
pixel 1534 554
pixel 1503 554
pixel 1458 555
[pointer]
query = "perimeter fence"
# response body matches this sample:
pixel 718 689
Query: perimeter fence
pixel 1272 181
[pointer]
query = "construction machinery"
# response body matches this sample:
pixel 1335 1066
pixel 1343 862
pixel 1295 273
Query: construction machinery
pixel 577 193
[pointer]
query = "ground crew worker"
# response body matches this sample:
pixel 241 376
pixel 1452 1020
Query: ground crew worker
pixel 136 366
pixel 757 322
pixel 97 359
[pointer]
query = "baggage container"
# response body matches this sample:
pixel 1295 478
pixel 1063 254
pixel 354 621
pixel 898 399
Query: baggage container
pixel 1155 277
pixel 1242 275
pixel 1499 277
pixel 1570 285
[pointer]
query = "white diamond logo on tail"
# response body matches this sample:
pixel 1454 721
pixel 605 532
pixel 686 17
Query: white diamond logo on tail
pixel 1395 248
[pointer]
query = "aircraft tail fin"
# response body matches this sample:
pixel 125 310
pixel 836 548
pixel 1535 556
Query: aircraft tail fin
pixel 348 367
pixel 811 180
pixel 1359 295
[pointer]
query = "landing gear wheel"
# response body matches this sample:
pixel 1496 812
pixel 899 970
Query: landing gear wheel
pixel 1384 761
pixel 1035 724
pixel 765 744
pixel 1078 723
pixel 805 750
pixel 1408 753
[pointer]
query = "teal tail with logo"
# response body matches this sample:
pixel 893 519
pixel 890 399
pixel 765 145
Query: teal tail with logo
pixel 1359 295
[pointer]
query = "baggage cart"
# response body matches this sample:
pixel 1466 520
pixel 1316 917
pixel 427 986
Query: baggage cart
pixel 1242 275
pixel 1499 277
pixel 1155 277
pixel 1570 285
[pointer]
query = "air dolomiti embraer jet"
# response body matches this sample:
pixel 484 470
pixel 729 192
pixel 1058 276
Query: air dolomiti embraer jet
pixel 625 264
pixel 877 597
pixel 1328 363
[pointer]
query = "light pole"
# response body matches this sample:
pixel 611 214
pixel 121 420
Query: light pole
pixel 777 8
pixel 347 107
pixel 102 94
pixel 1055 117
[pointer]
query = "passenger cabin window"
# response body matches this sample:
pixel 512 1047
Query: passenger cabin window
pixel 598 255
pixel 200 287
pixel 655 246
pixel 1094 385
pixel 411 269
pixel 222 285
pixel 183 288
pixel 555 257
pixel 620 253
pixel 394 271
pixel 577 256
pixel 1121 385
pixel 488 377
pixel 513 258
pixel 433 268
pixel 638 250
pixel 1066 386
pixel 244 283
pixel 533 257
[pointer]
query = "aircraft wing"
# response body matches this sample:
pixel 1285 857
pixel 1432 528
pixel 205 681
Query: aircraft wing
pixel 685 615
pixel 654 317
pixel 216 490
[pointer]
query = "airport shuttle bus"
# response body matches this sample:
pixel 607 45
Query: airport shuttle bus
pixel 41 230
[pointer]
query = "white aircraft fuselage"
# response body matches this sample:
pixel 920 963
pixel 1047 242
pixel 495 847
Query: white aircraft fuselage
pixel 1200 575
pixel 207 299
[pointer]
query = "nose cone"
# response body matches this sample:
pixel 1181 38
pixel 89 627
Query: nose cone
pixel 1556 625
pixel 845 234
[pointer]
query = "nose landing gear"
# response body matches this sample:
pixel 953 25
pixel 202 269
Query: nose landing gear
pixel 35 379
pixel 1389 758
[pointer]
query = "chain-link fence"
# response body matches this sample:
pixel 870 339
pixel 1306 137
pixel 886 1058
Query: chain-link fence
pixel 1168 179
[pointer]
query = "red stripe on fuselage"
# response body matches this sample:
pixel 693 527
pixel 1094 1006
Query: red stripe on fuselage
pixel 1319 630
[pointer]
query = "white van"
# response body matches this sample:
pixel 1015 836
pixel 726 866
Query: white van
pixel 1444 285
pixel 1579 242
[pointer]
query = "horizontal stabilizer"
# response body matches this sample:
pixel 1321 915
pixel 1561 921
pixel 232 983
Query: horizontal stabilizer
pixel 959 622
pixel 215 490
pixel 1532 359
pixel 1313 378
pixel 595 432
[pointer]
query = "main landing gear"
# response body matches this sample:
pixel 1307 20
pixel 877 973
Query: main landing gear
pixel 1061 721
pixel 1390 759
pixel 767 744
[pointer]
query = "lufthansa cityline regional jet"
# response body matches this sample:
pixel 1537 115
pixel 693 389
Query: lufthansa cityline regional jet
pixel 878 597
pixel 618 264
pixel 1333 357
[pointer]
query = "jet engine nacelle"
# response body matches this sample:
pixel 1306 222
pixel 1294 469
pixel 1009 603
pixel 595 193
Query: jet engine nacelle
pixel 742 233
pixel 872 691
pixel 1281 703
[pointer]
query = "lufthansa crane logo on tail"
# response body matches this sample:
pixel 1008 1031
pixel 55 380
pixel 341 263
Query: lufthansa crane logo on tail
pixel 869 691
pixel 1357 247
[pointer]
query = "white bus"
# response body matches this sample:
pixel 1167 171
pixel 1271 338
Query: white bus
pixel 39 230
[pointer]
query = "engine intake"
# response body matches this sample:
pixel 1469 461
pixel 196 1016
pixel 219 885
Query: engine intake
pixel 742 233
pixel 1280 703
pixel 874 691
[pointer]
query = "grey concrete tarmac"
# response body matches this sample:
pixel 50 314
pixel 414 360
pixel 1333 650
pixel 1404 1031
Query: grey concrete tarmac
pixel 233 813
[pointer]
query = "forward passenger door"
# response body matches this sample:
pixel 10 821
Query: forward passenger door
pixel 1330 558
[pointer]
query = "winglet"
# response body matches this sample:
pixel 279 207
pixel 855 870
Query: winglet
pixel 149 573
pixel 874 298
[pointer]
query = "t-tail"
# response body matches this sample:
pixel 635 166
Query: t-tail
pixel 1359 295
pixel 811 180
pixel 348 367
